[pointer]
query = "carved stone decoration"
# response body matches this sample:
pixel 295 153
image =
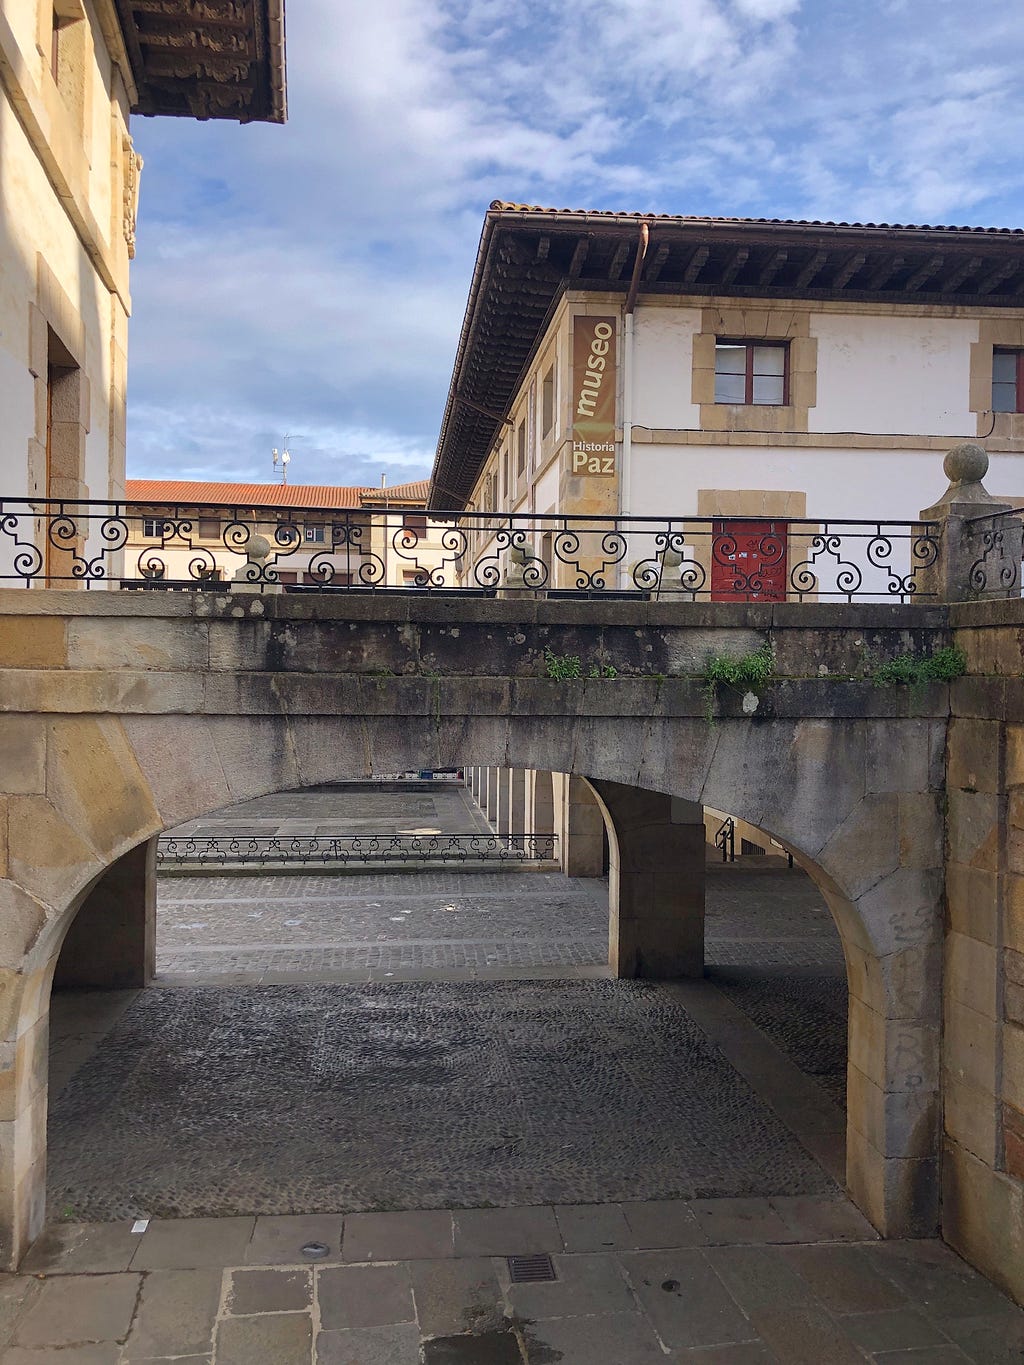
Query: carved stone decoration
pixel 132 173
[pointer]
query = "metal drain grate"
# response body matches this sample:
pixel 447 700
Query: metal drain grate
pixel 531 1269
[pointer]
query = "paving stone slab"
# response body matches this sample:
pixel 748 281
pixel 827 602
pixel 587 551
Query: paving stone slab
pixel 896 1329
pixel 92 1308
pixel 364 1296
pixel 747 1354
pixel 685 1299
pixel 269 1291
pixel 279 1239
pixel 664 1223
pixel 997 1340
pixel 934 1355
pixel 397 1345
pixel 937 1281
pixel 489 1348
pixel 844 1279
pixel 422 1234
pixel 611 1339
pixel 505 1232
pixel 189 1243
pixel 758 1277
pixel 801 1335
pixel 64 1355
pixel 823 1220
pixel 455 1297
pixel 730 1221
pixel 176 1313
pixel 77 1248
pixel 283 1338
pixel 16 1293
pixel 594 1227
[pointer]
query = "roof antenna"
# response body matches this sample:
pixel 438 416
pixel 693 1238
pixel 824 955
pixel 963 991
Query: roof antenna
pixel 283 457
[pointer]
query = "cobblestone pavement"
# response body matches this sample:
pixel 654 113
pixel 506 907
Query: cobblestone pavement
pixel 308 1098
pixel 799 1281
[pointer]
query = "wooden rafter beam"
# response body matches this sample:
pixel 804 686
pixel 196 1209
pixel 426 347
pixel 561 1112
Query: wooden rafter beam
pixel 696 264
pixel 885 270
pixel 811 268
pixel 772 267
pixel 578 257
pixel 656 262
pixel 924 273
pixel 736 262
pixel 988 284
pixel 619 260
pixel 963 271
pixel 848 269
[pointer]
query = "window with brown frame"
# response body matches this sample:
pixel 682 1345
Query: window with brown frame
pixel 548 402
pixel 752 372
pixel 416 522
pixel 1007 380
pixel 521 448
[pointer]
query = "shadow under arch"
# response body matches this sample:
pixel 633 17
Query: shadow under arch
pixel 152 772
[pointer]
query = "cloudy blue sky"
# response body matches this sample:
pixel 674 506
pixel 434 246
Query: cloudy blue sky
pixel 311 279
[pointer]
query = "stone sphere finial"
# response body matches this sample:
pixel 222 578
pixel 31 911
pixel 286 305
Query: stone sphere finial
pixel 966 463
pixel 258 547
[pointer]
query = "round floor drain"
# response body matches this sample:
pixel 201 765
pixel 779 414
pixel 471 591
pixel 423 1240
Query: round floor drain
pixel 315 1251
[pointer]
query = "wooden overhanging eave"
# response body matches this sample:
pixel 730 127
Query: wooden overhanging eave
pixel 528 258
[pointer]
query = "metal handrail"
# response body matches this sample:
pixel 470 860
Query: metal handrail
pixel 725 839
pixel 220 850
pixel 146 544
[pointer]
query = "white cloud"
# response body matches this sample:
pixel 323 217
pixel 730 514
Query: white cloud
pixel 314 276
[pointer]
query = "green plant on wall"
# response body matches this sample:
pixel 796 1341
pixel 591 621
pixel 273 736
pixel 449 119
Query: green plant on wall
pixel 741 672
pixel 562 666
pixel 917 670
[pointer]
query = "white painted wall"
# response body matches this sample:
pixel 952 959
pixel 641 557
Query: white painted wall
pixel 890 484
pixel 898 375
pixel 663 367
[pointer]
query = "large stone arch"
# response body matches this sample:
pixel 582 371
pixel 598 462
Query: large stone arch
pixel 857 800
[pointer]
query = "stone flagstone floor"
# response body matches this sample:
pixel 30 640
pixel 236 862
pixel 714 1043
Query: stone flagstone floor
pixel 800 1281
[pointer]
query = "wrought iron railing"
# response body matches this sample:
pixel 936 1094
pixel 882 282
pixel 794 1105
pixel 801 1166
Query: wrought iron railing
pixel 998 543
pixel 133 545
pixel 725 839
pixel 221 850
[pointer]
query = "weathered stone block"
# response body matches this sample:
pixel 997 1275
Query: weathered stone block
pixel 972 828
pixel 983 1217
pixel 33 642
pixel 165 646
pixel 49 860
pixel 1013 1140
pixel 904 909
pixel 970 1046
pixel 23 750
pixel 972 901
pixel 93 780
pixel 920 830
pixel 971 1117
pixel 903 1124
pixel 1013 1065
pixel 973 747
pixel 972 973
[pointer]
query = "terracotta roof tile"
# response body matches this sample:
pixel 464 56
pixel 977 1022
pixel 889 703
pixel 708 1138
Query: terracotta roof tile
pixel 505 206
pixel 195 492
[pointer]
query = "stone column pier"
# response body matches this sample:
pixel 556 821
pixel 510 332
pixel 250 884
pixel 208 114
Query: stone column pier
pixel 655 883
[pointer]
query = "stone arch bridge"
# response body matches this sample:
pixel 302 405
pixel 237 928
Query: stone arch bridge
pixel 122 715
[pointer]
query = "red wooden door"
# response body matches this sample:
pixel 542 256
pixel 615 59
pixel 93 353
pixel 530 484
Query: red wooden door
pixel 748 561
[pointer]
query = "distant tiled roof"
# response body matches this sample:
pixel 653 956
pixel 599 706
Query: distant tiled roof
pixel 529 256
pixel 195 493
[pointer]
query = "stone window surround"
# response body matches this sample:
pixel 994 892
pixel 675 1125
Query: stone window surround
pixel 992 333
pixel 55 326
pixel 753 324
